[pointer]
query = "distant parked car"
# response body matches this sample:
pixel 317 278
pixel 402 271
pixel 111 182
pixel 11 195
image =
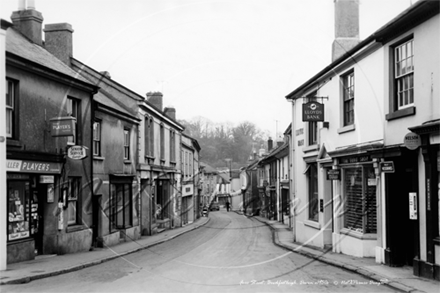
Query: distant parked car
pixel 214 206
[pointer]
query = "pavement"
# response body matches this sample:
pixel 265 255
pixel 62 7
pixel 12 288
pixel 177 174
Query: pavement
pixel 399 278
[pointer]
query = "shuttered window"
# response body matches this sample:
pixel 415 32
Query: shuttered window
pixel 360 199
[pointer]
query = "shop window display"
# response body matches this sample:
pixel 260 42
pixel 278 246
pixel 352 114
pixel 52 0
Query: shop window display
pixel 18 209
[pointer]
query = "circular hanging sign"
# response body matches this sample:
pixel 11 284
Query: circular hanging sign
pixel 412 141
pixel 77 152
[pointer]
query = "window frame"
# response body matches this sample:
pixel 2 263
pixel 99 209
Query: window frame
pixel 348 82
pixel 74 110
pixel 126 154
pixel 162 141
pixel 400 74
pixel 97 138
pixel 172 146
pixel 74 195
pixel 11 84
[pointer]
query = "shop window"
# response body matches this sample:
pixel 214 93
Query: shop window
pixel 73 196
pixel 360 199
pixel 348 98
pixel 18 209
pixel 97 138
pixel 312 179
pixel 11 108
pixel 121 206
pixel 126 144
pixel 74 110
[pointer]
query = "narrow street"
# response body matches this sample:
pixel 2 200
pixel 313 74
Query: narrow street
pixel 231 253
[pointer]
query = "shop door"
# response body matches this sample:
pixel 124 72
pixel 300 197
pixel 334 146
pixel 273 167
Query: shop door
pixel 38 198
pixel 402 233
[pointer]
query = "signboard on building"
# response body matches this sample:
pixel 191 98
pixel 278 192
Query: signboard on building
pixel 187 190
pixel 62 126
pixel 77 152
pixel 413 206
pixel 25 166
pixel 45 179
pixel 412 141
pixel 313 111
pixel 334 174
pixel 387 167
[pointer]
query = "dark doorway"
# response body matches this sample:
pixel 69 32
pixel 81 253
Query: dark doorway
pixel 401 231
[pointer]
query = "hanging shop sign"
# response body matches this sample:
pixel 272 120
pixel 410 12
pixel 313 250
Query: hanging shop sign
pixel 33 167
pixel 313 111
pixel 334 174
pixel 387 167
pixel 77 152
pixel 62 126
pixel 412 141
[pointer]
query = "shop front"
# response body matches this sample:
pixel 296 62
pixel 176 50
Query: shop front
pixel 355 230
pixel 31 188
pixel 187 204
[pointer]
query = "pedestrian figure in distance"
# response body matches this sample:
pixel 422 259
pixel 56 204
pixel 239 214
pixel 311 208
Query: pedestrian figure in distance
pixel 227 206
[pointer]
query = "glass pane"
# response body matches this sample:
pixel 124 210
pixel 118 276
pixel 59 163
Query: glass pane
pixel 119 206
pixel 353 217
pixel 8 122
pixel 127 205
pixel 71 212
pixel 411 96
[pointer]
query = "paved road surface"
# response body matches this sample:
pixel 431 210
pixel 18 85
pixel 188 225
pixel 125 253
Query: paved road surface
pixel 231 253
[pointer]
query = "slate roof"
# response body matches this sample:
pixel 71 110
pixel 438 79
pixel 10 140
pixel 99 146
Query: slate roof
pixel 19 45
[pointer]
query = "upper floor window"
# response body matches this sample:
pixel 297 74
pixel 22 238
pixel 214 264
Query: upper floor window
pixel 11 109
pixel 404 74
pixel 149 136
pixel 172 145
pixel 162 142
pixel 74 110
pixel 97 138
pixel 348 98
pixel 126 144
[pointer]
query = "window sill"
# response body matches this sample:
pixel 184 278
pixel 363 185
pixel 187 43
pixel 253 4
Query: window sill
pixel 98 158
pixel 127 162
pixel 347 128
pixel 358 235
pixel 13 142
pixel 310 148
pixel 74 228
pixel 401 113
pixel 312 224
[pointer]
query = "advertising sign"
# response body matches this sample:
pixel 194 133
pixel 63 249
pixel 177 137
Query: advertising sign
pixel 62 126
pixel 387 167
pixel 412 141
pixel 334 174
pixel 77 152
pixel 313 111
pixel 33 167
pixel 413 206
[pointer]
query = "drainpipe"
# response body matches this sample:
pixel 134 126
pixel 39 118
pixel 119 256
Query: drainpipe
pixel 292 174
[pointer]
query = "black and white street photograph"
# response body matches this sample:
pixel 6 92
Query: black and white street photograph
pixel 219 146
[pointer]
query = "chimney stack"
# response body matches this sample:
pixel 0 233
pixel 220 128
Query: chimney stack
pixel 58 41
pixel 269 144
pixel 28 21
pixel 346 27
pixel 170 112
pixel 155 98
